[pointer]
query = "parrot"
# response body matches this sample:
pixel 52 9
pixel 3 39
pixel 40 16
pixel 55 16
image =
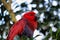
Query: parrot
pixel 25 26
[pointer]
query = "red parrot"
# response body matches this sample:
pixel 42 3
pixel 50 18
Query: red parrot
pixel 24 26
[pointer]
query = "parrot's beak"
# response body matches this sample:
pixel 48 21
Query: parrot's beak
pixel 37 16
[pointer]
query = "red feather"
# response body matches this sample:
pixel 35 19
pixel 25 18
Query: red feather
pixel 27 23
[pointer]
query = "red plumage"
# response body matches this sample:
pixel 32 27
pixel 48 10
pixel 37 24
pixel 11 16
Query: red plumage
pixel 27 23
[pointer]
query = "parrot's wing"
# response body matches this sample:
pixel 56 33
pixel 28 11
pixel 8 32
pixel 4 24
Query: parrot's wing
pixel 16 29
pixel 27 31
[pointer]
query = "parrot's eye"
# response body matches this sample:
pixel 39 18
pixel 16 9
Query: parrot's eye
pixel 31 15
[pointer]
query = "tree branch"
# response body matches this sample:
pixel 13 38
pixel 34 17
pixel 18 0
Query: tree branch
pixel 8 7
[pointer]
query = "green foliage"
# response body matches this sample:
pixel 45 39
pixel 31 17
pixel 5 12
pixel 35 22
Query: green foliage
pixel 49 17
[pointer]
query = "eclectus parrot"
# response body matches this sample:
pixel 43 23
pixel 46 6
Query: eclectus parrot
pixel 25 26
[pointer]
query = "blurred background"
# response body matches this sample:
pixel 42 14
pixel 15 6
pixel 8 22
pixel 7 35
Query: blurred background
pixel 48 21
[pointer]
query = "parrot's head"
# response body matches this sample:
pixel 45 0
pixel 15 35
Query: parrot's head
pixel 30 16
